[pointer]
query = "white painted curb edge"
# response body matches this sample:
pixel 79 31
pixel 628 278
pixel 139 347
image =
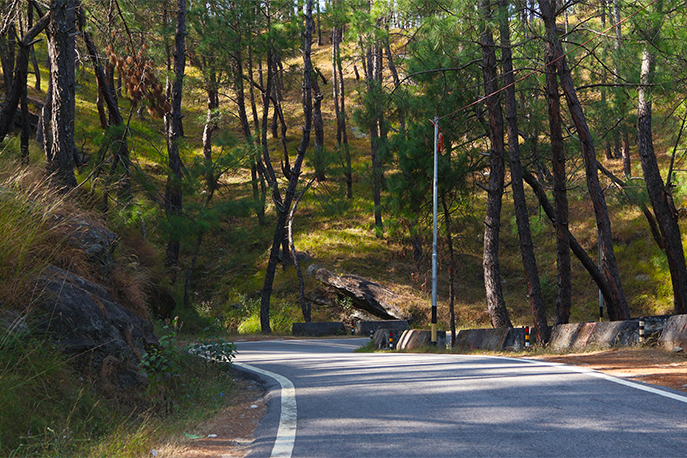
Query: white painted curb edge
pixel 286 434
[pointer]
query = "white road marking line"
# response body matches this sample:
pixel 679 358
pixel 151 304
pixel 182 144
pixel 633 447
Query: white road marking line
pixel 286 434
pixel 610 378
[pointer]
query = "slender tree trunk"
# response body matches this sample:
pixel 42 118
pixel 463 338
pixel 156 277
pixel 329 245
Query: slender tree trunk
pixel 660 195
pixel 305 307
pixel 564 297
pixel 522 218
pixel 43 132
pixel 318 153
pixel 451 269
pixel 283 210
pixel 340 103
pixel 17 85
pixel 7 48
pixel 496 306
pixel 373 77
pixel 621 96
pixel 34 61
pixel 576 248
pixel 618 309
pixel 256 172
pixel 173 190
pixel 25 128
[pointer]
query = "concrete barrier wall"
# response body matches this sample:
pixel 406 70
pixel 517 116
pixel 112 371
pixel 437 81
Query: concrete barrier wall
pixel 364 328
pixel 380 340
pixel 413 338
pixel 500 339
pixel 675 333
pixel 573 336
pixel 318 329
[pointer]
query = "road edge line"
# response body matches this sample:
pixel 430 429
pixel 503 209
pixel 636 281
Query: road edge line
pixel 610 378
pixel 286 433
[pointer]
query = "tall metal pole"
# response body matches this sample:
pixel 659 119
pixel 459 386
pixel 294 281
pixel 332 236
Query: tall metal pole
pixel 434 241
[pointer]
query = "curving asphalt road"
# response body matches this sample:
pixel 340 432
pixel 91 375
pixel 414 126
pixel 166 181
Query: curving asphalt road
pixel 424 405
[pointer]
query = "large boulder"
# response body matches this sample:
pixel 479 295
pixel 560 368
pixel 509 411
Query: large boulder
pixel 365 294
pixel 83 320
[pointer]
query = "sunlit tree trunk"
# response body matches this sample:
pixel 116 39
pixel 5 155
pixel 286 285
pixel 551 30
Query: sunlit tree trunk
pixel 660 195
pixel 61 48
pixel 496 306
pixel 520 202
pixel 618 309
pixel 173 123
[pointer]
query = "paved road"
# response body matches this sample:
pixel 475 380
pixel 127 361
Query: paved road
pixel 422 405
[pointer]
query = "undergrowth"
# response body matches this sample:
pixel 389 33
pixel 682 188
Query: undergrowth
pixel 49 410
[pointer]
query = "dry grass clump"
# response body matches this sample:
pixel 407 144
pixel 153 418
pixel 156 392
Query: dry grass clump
pixel 32 236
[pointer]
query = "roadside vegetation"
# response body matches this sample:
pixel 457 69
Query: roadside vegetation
pixel 49 407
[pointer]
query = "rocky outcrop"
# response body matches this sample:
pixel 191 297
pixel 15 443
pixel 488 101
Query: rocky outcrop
pixel 82 318
pixel 365 294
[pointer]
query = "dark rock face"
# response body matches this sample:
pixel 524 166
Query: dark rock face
pixel 82 318
pixel 95 240
pixel 365 294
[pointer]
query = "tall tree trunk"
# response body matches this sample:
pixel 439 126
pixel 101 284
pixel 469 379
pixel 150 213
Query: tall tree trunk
pixel 173 190
pixel 373 76
pixel 18 82
pixel 305 307
pixel 621 96
pixel 496 306
pixel 618 309
pixel 451 269
pixel 7 48
pixel 521 216
pixel 43 132
pixel 318 125
pixel 660 195
pixel 61 48
pixel 256 173
pixel 564 296
pixel 32 51
pixel 283 210
pixel 340 108
pixel 108 96
pixel 576 248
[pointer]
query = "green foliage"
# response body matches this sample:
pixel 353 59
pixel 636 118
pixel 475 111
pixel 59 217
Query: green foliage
pixel 165 363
